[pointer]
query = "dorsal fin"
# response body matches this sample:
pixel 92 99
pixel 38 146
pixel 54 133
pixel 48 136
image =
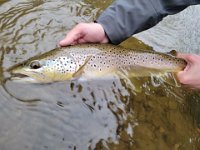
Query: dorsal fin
pixel 172 53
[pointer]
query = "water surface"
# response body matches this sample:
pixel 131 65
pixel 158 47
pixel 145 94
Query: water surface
pixel 98 114
pixel 179 32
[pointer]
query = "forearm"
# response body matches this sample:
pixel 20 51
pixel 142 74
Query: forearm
pixel 125 18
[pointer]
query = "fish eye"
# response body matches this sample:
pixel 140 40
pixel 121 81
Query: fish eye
pixel 35 64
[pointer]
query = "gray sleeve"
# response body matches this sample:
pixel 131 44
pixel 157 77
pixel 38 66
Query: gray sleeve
pixel 127 17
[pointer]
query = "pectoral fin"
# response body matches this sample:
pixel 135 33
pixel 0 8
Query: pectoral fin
pixel 80 71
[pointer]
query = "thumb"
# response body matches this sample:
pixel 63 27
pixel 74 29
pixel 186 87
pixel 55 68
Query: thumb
pixel 180 74
pixel 183 75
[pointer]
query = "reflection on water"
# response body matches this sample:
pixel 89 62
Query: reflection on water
pixel 84 115
pixel 29 28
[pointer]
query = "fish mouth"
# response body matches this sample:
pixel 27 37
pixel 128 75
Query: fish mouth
pixel 19 73
pixel 18 76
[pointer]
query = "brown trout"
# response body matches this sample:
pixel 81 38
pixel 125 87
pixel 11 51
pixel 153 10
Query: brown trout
pixel 93 61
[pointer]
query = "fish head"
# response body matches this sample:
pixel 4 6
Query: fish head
pixel 46 70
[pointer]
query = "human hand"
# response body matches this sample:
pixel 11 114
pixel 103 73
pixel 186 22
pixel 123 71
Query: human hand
pixel 85 33
pixel 190 76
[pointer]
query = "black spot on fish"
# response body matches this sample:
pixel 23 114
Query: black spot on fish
pixel 84 100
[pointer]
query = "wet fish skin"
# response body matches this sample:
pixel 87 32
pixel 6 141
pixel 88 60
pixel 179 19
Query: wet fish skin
pixel 94 60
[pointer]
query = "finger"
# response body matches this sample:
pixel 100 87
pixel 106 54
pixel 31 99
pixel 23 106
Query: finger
pixel 190 58
pixel 81 40
pixel 66 41
pixel 196 87
pixel 181 55
pixel 71 37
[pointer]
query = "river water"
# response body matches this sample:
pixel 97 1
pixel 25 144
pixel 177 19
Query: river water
pixel 100 115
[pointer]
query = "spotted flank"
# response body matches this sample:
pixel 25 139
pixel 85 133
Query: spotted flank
pixel 62 64
pixel 94 60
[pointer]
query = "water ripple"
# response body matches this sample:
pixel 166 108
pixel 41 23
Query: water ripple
pixel 127 113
